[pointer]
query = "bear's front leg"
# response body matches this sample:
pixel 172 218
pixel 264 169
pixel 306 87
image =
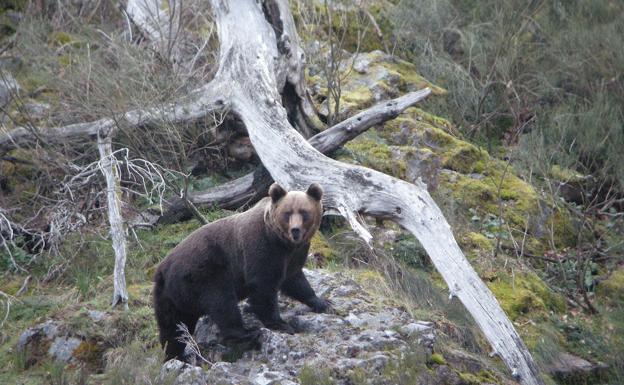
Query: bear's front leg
pixel 263 303
pixel 297 287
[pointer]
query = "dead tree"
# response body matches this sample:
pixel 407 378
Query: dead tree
pixel 260 81
pixel 118 234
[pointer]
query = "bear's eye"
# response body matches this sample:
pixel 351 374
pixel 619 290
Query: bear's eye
pixel 304 215
pixel 287 215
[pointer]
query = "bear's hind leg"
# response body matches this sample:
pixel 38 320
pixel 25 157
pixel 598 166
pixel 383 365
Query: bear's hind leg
pixel 222 306
pixel 168 319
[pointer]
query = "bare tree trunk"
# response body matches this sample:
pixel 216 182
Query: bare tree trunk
pixel 117 231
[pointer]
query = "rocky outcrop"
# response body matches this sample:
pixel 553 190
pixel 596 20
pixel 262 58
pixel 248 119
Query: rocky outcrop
pixel 570 369
pixel 365 337
pixel 369 337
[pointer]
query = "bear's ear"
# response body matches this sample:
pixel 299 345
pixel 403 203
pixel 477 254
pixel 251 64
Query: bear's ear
pixel 315 191
pixel 276 192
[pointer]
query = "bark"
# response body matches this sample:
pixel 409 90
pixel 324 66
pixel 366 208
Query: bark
pixel 117 231
pixel 249 76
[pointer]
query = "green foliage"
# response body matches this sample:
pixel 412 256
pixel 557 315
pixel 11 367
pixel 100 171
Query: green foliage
pixel 12 257
pixel 57 375
pixel 133 363
pixel 409 367
pixel 511 67
pixel 437 358
pixel 407 249
pixel 585 136
pixel 315 376
pixel 525 294
pixel 490 225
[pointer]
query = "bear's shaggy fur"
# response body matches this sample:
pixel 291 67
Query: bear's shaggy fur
pixel 252 255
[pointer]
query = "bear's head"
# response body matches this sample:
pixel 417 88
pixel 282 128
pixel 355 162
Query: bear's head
pixel 295 215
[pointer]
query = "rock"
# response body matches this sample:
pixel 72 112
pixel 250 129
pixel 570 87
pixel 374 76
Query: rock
pixel 47 330
pixel 414 328
pixel 570 369
pixel 184 374
pixel 8 88
pixel 465 362
pixel 97 315
pixel 476 176
pixel 265 376
pixel 223 373
pixel 446 376
pixel 363 335
pixel 424 165
pixel 45 339
pixel 36 110
pixel 62 348
pixel 373 76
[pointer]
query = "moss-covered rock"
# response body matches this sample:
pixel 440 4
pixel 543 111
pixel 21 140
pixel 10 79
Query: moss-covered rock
pixel 367 79
pixel 612 289
pixel 525 295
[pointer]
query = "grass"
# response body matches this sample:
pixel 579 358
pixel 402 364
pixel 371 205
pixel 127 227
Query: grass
pixel 315 376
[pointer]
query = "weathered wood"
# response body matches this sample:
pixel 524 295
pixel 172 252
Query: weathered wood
pixel 333 138
pixel 117 230
pixel 198 104
pixel 252 187
pixel 159 21
pixel 248 71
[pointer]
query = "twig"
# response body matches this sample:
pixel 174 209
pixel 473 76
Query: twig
pixel 187 338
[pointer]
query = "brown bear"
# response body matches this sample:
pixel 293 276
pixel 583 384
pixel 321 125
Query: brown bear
pixel 253 255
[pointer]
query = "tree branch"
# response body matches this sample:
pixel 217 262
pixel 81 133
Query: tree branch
pixel 199 104
pixel 252 187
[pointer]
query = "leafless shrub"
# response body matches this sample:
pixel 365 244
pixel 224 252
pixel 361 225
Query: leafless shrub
pixel 192 348
pixel 86 67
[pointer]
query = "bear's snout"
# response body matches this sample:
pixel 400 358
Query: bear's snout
pixel 296 233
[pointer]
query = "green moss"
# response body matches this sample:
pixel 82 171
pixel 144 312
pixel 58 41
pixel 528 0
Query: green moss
pixel 315 376
pixel 612 289
pixel 321 250
pixel 358 98
pixel 469 378
pixel 482 377
pixel 563 229
pixel 410 80
pixel 370 151
pixel 434 120
pixel 477 241
pixel 437 358
pixel 385 76
pixel 461 157
pixel 565 174
pixel 370 278
pixel 61 38
pixel 525 295
pixel 90 352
